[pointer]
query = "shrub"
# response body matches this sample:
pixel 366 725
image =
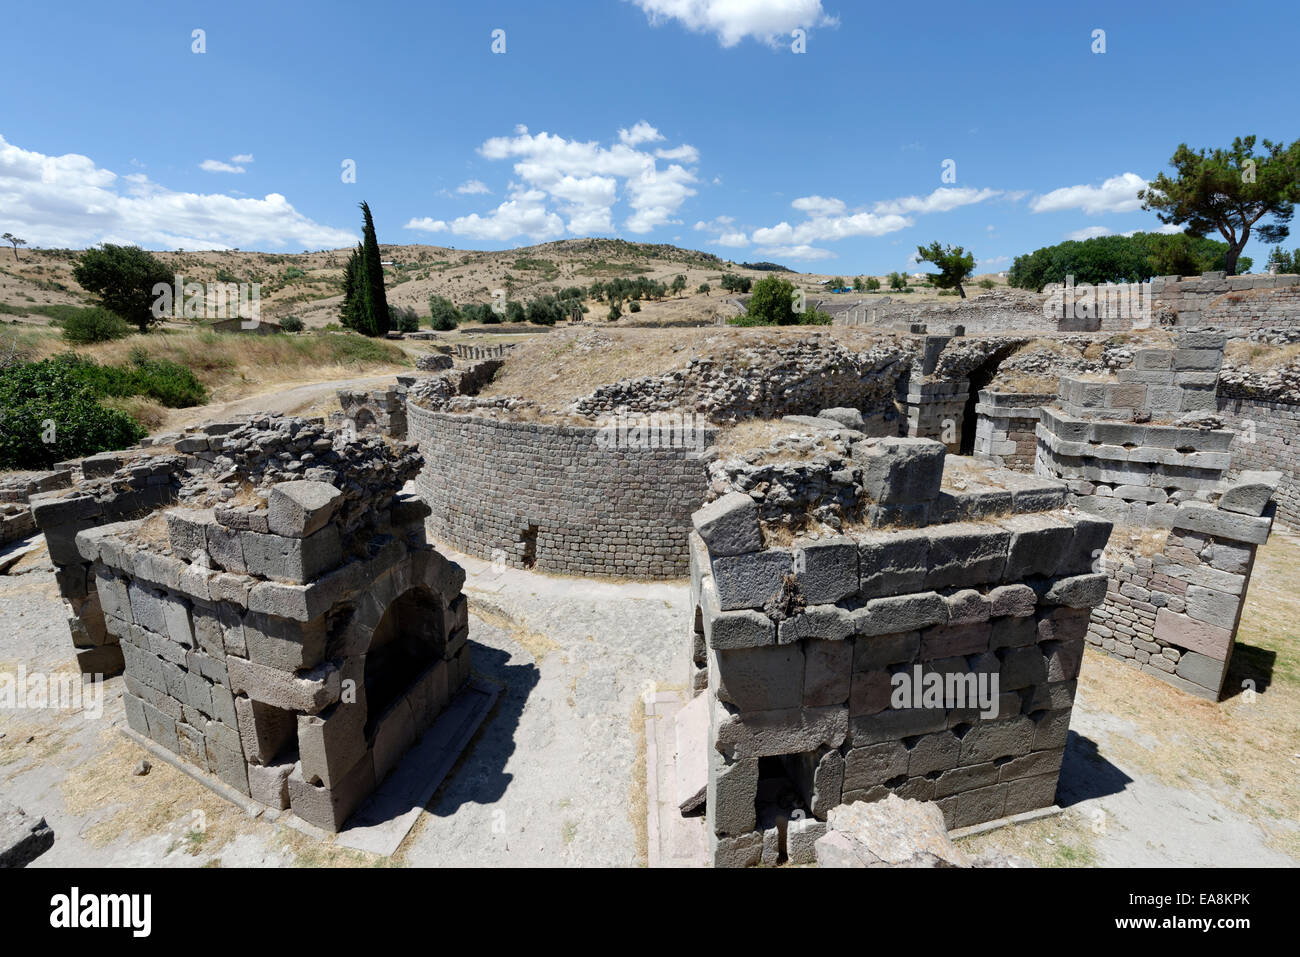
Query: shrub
pixel 48 414
pixel 634 306
pixel 772 302
pixel 96 324
pixel 872 284
pixel 403 319
pixel 292 324
pixel 987 284
pixel 444 314
pixel 514 311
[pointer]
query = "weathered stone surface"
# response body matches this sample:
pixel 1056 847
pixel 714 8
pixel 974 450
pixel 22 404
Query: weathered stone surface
pixel 23 838
pixel 729 525
pixel 297 509
pixel 890 833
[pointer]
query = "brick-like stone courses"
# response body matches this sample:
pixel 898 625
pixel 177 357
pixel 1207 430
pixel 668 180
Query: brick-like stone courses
pixel 381 409
pixel 1161 384
pixel 549 497
pixel 191 467
pixel 1130 472
pixel 15 490
pixel 1174 614
pixel 1238 303
pixel 799 646
pixel 112 490
pixel 250 639
pixel 1266 435
pixel 1006 430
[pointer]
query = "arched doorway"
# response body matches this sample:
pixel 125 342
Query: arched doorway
pixel 408 640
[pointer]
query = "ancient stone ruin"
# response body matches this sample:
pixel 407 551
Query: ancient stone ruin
pixel 948 578
pixel 1143 452
pixel 286 628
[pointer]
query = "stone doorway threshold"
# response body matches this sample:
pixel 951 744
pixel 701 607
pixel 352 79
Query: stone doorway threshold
pixel 381 824
pixel 675 840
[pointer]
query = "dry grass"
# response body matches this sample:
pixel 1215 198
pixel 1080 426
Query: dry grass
pixel 1261 355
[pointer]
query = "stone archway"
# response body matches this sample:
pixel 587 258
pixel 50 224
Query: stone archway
pixel 406 641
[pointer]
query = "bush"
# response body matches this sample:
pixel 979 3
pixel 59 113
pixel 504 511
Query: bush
pixel 96 324
pixel 772 302
pixel 444 314
pixel 48 414
pixel 403 319
pixel 514 311
pixel 987 284
pixel 873 284
pixel 480 313
pixel 292 324
pixel 634 306
pixel 162 380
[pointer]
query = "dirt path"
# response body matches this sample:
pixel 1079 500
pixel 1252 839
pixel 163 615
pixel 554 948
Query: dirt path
pixel 289 399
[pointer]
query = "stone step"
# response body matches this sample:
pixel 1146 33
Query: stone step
pixel 692 760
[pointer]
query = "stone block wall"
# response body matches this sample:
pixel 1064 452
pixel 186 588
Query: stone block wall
pixel 935 409
pixel 1006 430
pixel 290 651
pixel 1174 614
pixel 799 647
pixel 1161 384
pixel 1129 472
pixel 551 497
pixel 1239 303
pixel 1266 435
pixel 381 410
pixel 15 492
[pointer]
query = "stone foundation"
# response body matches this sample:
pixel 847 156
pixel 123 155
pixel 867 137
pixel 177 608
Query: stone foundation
pixel 798 647
pixel 1006 430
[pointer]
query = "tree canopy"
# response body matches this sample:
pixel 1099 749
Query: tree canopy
pixel 955 265
pixel 1134 258
pixel 123 277
pixel 1228 192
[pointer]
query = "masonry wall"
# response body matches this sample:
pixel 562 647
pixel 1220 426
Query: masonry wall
pixel 1006 428
pixel 549 497
pixel 1266 435
pixel 1240 303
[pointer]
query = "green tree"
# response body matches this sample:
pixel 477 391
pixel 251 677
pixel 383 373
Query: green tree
pixel 514 311
pixel 96 324
pixel 897 281
pixel 873 284
pixel 124 277
pixel 14 241
pixel 349 308
pixel 837 282
pixel 679 284
pixel 859 284
pixel 292 324
pixel 372 313
pixel 1229 191
pixel 443 314
pixel 1283 261
pixel 704 288
pixel 772 302
pixel 955 265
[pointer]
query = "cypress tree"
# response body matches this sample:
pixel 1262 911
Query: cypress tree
pixel 373 312
pixel 351 291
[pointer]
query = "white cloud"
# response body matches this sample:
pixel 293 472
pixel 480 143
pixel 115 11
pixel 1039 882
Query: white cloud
pixel 473 187
pixel 942 200
pixel 216 166
pixel 523 214
pixel 801 251
pixel 584 177
pixel 427 224
pixel 242 158
pixel 1088 232
pixel 67 201
pixel 684 153
pixel 993 261
pixel 768 21
pixel 1116 195
pixel 727 235
pixel 642 132
pixel 819 206
pixel 736 239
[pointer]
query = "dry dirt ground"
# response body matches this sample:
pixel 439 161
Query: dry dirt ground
pixel 555 776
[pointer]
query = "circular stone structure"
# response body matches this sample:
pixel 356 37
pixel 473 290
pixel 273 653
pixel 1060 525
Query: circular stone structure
pixel 573 500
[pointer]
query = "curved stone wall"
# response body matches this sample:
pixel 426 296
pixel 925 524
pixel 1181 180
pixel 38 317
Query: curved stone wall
pixel 551 498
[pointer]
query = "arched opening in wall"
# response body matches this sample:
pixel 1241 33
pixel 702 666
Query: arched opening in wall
pixel 979 378
pixel 408 640
pixel 365 419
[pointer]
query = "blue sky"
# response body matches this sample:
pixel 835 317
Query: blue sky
pixel 683 121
